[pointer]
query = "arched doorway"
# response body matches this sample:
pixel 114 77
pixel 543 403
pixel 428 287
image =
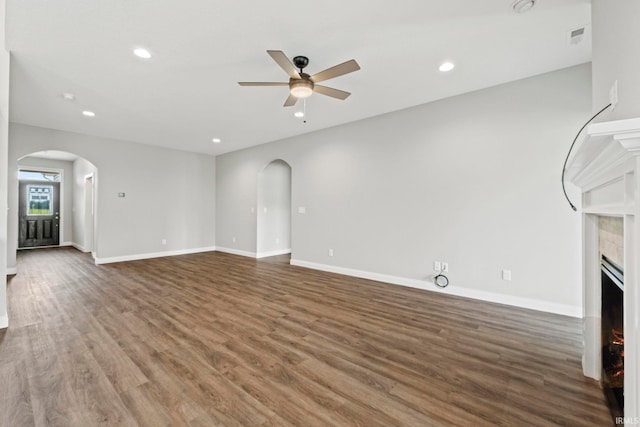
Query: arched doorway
pixel 274 210
pixel 75 214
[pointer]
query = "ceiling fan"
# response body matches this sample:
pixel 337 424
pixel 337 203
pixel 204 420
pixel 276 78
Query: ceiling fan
pixel 301 84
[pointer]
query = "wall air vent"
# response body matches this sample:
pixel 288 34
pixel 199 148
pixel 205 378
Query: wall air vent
pixel 576 36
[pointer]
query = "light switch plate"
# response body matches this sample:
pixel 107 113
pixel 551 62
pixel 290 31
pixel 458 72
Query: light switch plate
pixel 613 95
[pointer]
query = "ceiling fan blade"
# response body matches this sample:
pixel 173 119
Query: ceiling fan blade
pixel 339 70
pixel 291 101
pixel 284 63
pixel 329 91
pixel 262 84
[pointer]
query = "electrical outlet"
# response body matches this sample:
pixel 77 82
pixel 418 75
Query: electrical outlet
pixel 613 95
pixel 437 266
pixel 506 274
pixel 445 267
pixel 330 252
pixel 233 239
pixel 277 240
pixel 164 241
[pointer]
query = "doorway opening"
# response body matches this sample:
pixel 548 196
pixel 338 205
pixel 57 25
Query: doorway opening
pixel 39 208
pixel 74 197
pixel 274 210
pixel 89 214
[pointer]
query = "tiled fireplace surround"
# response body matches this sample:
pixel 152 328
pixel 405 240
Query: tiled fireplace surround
pixel 606 168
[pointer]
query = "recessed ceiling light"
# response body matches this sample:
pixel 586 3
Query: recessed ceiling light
pixel 522 6
pixel 88 113
pixel 68 96
pixel 446 66
pixel 216 140
pixel 141 52
pixel 298 114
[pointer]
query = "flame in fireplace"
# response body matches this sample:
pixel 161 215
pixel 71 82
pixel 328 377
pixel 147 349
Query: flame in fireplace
pixel 616 349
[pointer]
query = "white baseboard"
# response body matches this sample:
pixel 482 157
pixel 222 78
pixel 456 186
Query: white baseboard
pixel 67 244
pixel 4 321
pixel 236 252
pixel 136 257
pixel 78 247
pixel 273 253
pixel 12 270
pixel 533 304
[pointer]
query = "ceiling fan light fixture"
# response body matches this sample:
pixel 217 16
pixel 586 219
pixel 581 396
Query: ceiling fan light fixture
pixel 301 88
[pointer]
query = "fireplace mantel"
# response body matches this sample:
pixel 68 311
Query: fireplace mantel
pixel 606 168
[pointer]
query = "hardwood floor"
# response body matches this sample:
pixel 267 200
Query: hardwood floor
pixel 220 340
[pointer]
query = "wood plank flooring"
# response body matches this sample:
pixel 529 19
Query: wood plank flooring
pixel 215 339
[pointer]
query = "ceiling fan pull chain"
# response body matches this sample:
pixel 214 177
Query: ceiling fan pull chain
pixel 304 109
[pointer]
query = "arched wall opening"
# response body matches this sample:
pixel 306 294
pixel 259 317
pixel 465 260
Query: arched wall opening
pixel 78 200
pixel 274 210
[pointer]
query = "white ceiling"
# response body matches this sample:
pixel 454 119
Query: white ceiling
pixel 187 93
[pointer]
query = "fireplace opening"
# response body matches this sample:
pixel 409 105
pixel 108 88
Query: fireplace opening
pixel 612 335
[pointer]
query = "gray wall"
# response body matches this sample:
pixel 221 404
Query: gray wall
pixel 4 144
pixel 616 43
pixel 66 203
pixel 170 194
pixel 471 180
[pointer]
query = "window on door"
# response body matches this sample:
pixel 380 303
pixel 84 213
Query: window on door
pixel 39 200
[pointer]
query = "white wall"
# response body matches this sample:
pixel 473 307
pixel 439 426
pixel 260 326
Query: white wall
pixel 66 202
pixel 616 43
pixel 473 180
pixel 274 209
pixel 169 194
pixel 81 211
pixel 5 60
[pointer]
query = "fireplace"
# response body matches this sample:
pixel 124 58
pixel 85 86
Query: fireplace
pixel 612 333
pixel 606 169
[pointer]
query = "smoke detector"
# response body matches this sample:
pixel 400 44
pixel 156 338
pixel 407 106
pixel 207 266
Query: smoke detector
pixel 522 6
